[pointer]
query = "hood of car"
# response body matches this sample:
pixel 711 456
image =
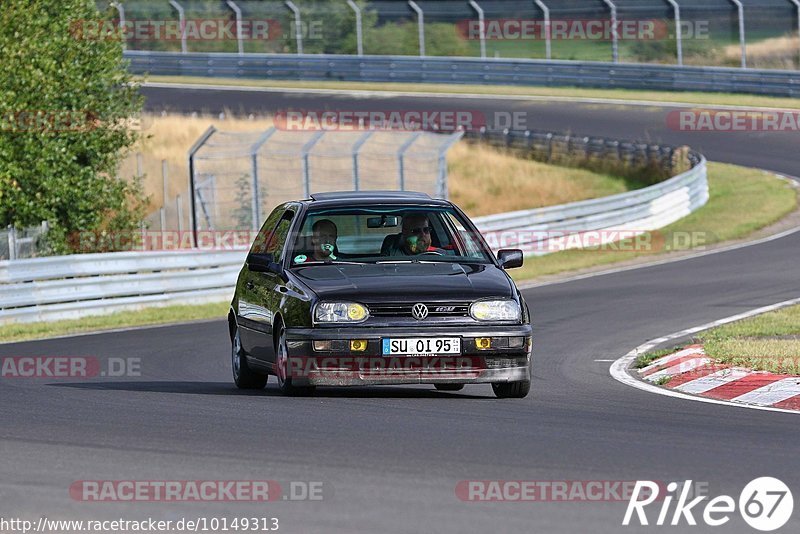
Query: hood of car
pixel 405 281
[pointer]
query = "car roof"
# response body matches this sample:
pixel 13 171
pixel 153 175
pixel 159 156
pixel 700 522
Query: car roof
pixel 357 198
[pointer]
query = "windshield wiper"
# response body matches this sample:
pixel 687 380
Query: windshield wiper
pixel 328 262
pixel 413 261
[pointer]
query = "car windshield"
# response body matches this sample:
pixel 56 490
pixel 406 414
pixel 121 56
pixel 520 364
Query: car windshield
pixel 387 234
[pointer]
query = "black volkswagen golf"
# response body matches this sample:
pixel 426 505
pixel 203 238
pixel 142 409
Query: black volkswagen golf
pixel 378 287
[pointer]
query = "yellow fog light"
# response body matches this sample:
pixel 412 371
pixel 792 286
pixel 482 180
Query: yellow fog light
pixel 483 343
pixel 356 312
pixel 358 345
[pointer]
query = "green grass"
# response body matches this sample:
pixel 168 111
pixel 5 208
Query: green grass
pixel 709 99
pixel 643 360
pixel 662 381
pixel 742 200
pixel 150 316
pixel 785 322
pixel 768 342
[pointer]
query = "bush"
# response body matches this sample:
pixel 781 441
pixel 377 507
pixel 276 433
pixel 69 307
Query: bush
pixel 67 103
pixel 441 39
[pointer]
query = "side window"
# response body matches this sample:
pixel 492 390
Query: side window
pixel 277 241
pixel 260 243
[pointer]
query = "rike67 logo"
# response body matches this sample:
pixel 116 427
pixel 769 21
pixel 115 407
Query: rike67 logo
pixel 765 504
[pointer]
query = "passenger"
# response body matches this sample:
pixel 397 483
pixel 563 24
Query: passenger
pixel 323 240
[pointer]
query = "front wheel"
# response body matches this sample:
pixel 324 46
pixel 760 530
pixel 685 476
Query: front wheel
pixel 512 390
pixel 243 376
pixel 281 369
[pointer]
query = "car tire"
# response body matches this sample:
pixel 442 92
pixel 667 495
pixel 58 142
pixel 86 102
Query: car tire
pixel 449 387
pixel 243 376
pixel 281 363
pixel 512 390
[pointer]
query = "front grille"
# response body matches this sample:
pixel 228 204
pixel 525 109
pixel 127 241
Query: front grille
pixel 435 309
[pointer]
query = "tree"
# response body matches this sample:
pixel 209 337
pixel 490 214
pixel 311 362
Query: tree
pixel 66 101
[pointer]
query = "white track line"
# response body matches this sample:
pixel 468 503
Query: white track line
pixel 363 93
pixel 619 369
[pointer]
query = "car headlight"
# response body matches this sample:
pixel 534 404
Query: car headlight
pixel 495 310
pixel 340 312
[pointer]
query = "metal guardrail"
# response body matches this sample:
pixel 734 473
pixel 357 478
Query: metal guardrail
pixel 542 231
pixel 461 70
pixel 66 287
pixel 61 287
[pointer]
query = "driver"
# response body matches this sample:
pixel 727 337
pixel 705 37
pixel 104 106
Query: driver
pixel 323 240
pixel 415 237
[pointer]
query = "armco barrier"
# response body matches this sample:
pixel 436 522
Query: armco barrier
pixel 461 70
pixel 61 287
pixel 636 212
pixel 66 287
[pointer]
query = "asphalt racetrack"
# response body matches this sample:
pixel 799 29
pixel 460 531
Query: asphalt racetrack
pixel 390 458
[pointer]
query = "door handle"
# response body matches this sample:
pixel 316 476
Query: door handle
pixel 250 285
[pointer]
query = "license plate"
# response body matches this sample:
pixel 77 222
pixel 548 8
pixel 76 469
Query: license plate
pixel 421 346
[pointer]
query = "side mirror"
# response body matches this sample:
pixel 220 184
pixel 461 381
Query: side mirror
pixel 265 263
pixel 509 258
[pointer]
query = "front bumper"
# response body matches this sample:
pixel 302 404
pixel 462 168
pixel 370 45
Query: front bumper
pixel 346 368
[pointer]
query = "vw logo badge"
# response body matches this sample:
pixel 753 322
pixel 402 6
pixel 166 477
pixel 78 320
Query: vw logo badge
pixel 419 311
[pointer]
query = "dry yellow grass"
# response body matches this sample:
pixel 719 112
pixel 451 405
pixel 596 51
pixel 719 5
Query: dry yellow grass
pixel 482 179
pixel 485 180
pixel 775 53
pixel 169 138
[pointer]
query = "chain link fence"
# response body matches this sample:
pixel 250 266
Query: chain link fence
pixel 19 243
pixel 693 32
pixel 237 178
